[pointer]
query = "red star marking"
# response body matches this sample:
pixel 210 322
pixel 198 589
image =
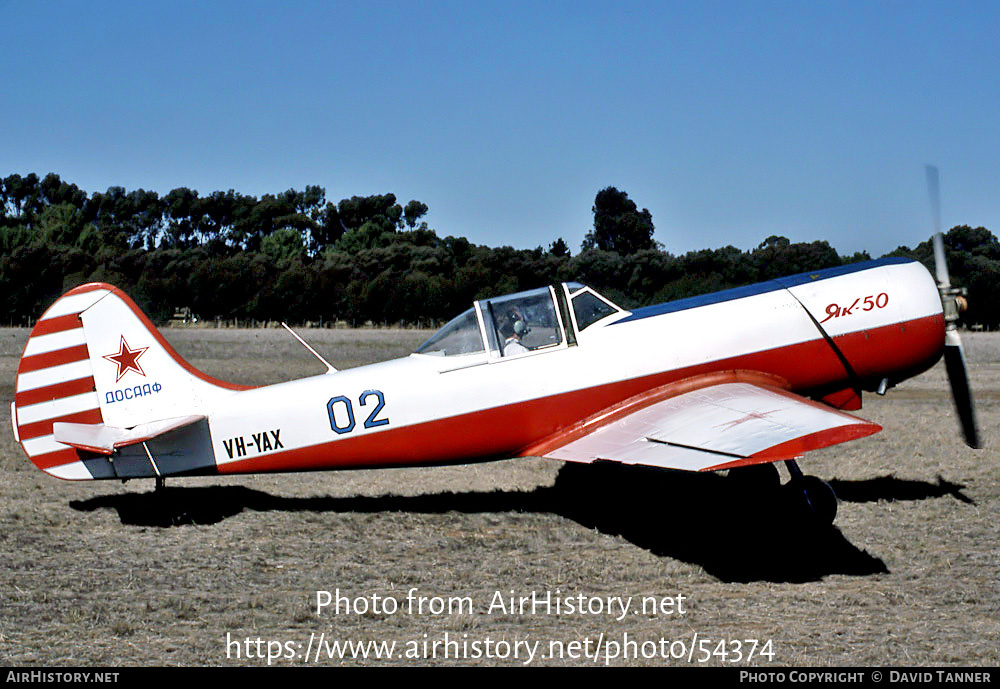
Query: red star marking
pixel 127 359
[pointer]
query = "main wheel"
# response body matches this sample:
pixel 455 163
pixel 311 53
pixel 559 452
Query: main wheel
pixel 816 496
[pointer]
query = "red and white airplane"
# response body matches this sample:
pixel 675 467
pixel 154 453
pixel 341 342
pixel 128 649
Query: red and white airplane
pixel 746 376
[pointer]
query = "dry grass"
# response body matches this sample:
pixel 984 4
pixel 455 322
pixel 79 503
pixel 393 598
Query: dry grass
pixel 106 574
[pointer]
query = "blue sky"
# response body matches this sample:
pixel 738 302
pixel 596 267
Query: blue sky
pixel 729 121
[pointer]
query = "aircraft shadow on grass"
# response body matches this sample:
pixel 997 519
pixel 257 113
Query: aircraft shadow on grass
pixel 736 532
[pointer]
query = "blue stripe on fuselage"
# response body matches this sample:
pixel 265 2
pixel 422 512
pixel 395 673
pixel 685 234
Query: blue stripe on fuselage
pixel 759 288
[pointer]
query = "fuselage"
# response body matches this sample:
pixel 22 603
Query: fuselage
pixel 824 333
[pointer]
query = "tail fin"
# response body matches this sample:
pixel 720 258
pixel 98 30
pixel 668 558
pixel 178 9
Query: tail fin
pixel 95 358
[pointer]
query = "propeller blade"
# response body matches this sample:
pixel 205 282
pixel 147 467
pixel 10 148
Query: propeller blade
pixel 934 191
pixel 954 356
pixel 940 264
pixel 958 376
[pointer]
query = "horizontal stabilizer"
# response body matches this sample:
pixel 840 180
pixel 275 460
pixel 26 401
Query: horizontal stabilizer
pixel 105 440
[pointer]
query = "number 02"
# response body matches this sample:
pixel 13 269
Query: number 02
pixel 371 422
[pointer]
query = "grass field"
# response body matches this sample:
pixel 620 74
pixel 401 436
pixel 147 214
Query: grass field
pixel 102 573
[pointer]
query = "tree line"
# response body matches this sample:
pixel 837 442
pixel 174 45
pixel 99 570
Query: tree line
pixel 299 257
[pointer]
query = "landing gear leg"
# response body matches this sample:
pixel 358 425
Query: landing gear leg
pixel 160 483
pixel 793 469
pixel 813 493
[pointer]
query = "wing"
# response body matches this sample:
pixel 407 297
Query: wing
pixel 706 423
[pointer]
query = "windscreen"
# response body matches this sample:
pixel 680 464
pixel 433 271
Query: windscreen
pixel 460 336
pixel 589 309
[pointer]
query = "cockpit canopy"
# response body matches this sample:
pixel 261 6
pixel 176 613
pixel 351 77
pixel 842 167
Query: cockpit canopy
pixel 514 324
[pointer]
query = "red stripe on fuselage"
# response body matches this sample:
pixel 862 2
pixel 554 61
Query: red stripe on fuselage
pixel 505 431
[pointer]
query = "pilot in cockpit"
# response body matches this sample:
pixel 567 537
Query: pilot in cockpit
pixel 513 330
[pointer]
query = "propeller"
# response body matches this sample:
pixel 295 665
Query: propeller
pixel 953 302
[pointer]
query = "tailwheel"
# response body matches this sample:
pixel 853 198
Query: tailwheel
pixel 815 495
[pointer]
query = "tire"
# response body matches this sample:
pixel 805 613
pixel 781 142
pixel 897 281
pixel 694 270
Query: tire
pixel 816 497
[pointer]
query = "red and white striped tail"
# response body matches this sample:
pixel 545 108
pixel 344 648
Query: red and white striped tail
pixel 94 358
pixel 55 382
